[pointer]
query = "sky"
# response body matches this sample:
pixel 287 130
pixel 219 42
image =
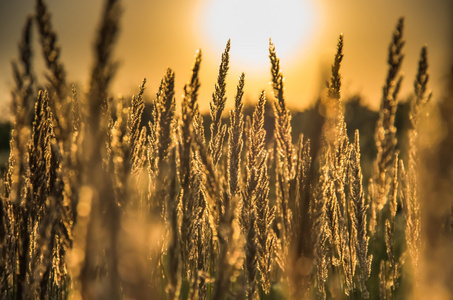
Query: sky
pixel 159 34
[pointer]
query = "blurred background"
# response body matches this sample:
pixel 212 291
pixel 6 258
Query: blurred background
pixel 160 34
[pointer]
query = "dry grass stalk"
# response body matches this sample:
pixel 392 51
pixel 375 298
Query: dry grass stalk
pixel 102 204
pixel 104 67
pixel 410 195
pixel 339 165
pixel 200 233
pixel 22 109
pixel 392 264
pixel 190 222
pixel 165 106
pixel 235 141
pixel 420 88
pixel 217 106
pixel 335 80
pixel 210 157
pixel 282 114
pixel 163 179
pixel 15 211
pixel 411 209
pixel 215 185
pixel 323 235
pixel 337 148
pixel 133 130
pixel 186 143
pixel 385 177
pixel 285 150
pixel 29 214
pixel 53 232
pixel 23 98
pixel 358 218
pixel 226 230
pixel 39 229
pixel 256 186
pixel 385 135
pixel 51 51
pixel 188 107
pixel 257 172
pixel 334 110
pixel 58 88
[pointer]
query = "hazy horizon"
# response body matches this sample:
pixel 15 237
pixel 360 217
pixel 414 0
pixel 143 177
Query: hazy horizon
pixel 157 35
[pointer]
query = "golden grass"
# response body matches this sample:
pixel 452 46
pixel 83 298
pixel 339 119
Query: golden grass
pixel 98 204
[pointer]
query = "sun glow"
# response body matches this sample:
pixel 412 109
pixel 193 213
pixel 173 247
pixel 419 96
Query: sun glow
pixel 291 24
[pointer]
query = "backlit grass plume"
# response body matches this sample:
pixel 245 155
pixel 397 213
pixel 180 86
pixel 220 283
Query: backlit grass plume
pixel 385 135
pixel 22 104
pixel 410 191
pixel 217 106
pixel 51 51
pixel 257 177
pixel 232 195
pixel 285 148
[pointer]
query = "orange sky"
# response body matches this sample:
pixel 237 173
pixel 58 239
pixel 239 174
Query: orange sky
pixel 160 34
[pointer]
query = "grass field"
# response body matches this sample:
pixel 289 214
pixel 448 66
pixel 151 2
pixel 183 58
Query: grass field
pixel 123 198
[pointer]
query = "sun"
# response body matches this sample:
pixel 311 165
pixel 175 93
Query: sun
pixel 291 24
